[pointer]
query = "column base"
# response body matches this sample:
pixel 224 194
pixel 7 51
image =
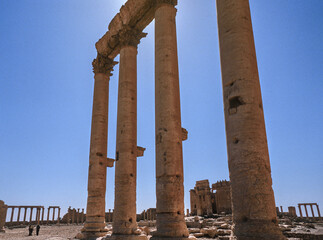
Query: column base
pixel 257 229
pixel 93 235
pixel 126 237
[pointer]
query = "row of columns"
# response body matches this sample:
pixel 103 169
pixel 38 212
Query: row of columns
pixel 39 213
pixel 73 216
pixel 53 216
pixel 305 206
pixel 253 202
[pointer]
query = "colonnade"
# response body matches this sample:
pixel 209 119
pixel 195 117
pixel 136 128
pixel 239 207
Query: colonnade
pixel 253 201
pixel 312 210
pixel 38 218
pixel 53 214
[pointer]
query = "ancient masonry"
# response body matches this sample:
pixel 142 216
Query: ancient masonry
pixel 204 201
pixel 253 203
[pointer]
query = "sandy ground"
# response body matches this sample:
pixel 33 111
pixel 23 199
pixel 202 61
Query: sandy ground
pixel 54 232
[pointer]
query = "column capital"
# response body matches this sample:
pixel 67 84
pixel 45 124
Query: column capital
pixel 103 64
pixel 129 36
pixel 172 2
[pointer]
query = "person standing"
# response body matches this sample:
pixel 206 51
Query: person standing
pixel 31 229
pixel 37 229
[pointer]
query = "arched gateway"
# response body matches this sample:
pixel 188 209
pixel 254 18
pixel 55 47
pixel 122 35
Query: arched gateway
pixel 253 203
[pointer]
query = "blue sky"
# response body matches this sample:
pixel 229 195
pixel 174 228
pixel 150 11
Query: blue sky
pixel 46 87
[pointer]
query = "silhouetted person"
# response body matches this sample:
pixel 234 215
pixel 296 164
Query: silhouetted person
pixel 37 229
pixel 31 229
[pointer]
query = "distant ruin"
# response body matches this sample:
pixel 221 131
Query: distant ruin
pixel 204 201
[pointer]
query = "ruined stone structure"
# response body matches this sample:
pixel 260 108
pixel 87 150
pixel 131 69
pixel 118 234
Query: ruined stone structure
pixel 53 214
pixel 222 196
pixel 292 211
pixel 201 199
pixel 147 215
pixel 3 215
pixel 252 195
pixel 74 216
pixel 39 218
pixel 204 201
pixel 311 206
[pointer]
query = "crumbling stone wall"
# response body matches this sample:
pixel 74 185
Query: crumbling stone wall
pixel 222 196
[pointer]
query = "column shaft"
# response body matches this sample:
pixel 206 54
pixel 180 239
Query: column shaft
pixel 53 218
pixel 124 217
pixel 300 210
pixel 25 213
pixel 12 212
pixel 48 215
pixel 306 210
pixel 31 215
pixel 312 210
pixel 169 157
pixel 318 210
pixel 95 225
pixel 254 212
pixel 18 217
pixel 59 213
pixel 42 215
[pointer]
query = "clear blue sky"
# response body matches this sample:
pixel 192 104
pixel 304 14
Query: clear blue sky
pixel 46 87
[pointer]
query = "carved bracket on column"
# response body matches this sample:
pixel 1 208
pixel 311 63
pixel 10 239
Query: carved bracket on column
pixel 184 134
pixel 110 162
pixel 140 151
pixel 129 36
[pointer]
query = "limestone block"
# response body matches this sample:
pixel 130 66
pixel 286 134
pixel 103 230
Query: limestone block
pixel 3 215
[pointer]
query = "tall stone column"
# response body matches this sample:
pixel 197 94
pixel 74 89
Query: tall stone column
pixel 124 216
pixel 53 218
pixel 18 217
pixel 312 210
pixel 31 215
pixel 42 215
pixel 25 213
pixel 253 202
pixel 318 210
pixel 48 215
pixel 169 157
pixel 95 225
pixel 3 215
pixel 12 212
pixel 305 205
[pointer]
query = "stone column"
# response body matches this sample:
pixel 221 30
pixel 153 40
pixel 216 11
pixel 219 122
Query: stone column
pixel 73 215
pixel 318 210
pixel 300 210
pixel 31 215
pixel 312 210
pixel 18 217
pixel 12 212
pixel 82 216
pixel 42 215
pixel 38 215
pixel 58 217
pixel 3 215
pixel 95 225
pixel 169 157
pixel 124 217
pixel 53 214
pixel 25 213
pixel 253 202
pixel 305 205
pixel 281 209
pixel 48 215
pixel 78 216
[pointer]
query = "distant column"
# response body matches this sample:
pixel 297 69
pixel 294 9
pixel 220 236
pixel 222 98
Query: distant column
pixel 281 209
pixel 31 214
pixel 82 216
pixel 54 208
pixel 318 210
pixel 42 215
pixel 305 205
pixel 300 210
pixel 168 127
pixel 94 225
pixel 38 215
pixel 78 216
pixel 12 212
pixel 18 217
pixel 312 210
pixel 25 213
pixel 73 215
pixel 48 215
pixel 58 217
pixel 254 212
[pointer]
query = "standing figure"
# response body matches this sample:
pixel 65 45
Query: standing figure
pixel 37 229
pixel 31 229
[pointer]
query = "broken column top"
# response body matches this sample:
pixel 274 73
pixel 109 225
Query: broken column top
pixel 220 184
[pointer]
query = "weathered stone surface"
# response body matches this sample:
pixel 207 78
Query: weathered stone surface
pixel 3 215
pixel 253 200
pixel 169 156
